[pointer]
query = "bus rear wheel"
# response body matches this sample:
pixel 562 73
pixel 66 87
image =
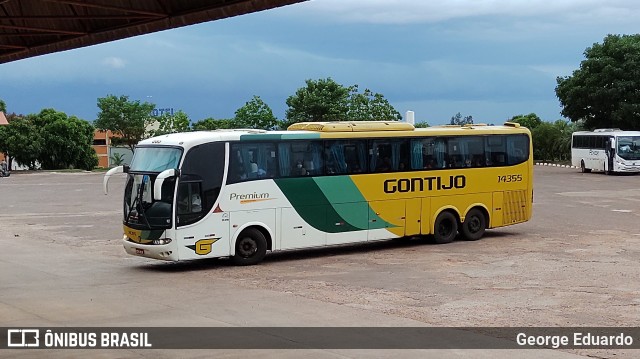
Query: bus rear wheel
pixel 474 225
pixel 251 247
pixel 445 228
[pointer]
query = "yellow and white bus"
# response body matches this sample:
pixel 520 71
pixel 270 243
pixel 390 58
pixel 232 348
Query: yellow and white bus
pixel 241 193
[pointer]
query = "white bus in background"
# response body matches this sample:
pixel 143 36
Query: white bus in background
pixel 608 150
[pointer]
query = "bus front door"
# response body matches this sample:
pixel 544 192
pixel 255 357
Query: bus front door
pixel 610 150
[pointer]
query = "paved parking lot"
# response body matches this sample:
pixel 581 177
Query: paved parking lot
pixel 574 264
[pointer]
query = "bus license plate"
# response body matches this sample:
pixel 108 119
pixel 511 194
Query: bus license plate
pixel 139 251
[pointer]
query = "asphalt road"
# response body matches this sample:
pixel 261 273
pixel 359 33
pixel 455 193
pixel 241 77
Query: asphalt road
pixel 573 264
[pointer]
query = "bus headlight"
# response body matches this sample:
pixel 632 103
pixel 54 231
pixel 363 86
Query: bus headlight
pixel 161 241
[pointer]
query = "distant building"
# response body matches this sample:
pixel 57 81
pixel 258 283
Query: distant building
pixel 107 152
pixel 101 143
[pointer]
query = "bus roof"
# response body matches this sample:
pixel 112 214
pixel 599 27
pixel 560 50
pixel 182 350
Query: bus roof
pixel 335 130
pixel 607 132
pixel 352 126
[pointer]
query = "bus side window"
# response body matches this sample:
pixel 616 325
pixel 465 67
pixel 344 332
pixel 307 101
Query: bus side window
pixel 495 150
pixel 517 149
pixel 189 201
pixel 345 156
pixel 313 161
pixel 390 155
pixel 238 171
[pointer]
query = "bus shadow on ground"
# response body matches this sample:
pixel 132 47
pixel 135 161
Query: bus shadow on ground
pixel 318 252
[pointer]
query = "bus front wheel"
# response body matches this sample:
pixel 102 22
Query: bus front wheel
pixel 445 228
pixel 474 225
pixel 251 247
pixel 583 168
pixel 608 171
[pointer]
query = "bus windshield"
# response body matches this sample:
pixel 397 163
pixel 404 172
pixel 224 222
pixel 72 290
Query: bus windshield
pixel 155 159
pixel 140 209
pixel 629 147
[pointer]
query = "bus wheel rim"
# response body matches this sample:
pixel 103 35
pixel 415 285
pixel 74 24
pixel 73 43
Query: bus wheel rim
pixel 247 247
pixel 474 225
pixel 444 229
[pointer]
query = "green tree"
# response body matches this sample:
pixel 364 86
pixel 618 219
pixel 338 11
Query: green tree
pixel 421 125
pixel 209 124
pixel 255 114
pixel 530 121
pixel 457 119
pixel 563 144
pixel 327 100
pixel 128 119
pixel 4 137
pixel 605 90
pixel 168 123
pixel 545 137
pixel 3 106
pixel 21 140
pixel 321 100
pixel 369 106
pixel 66 141
pixel 552 141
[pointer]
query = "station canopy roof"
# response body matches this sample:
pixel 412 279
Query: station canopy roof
pixel 31 28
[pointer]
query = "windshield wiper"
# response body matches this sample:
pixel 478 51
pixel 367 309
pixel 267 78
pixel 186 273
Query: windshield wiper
pixel 138 205
pixel 130 210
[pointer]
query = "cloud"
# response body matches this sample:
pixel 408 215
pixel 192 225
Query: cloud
pixel 420 11
pixel 114 62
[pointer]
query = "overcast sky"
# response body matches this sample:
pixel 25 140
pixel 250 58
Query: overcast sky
pixel 491 59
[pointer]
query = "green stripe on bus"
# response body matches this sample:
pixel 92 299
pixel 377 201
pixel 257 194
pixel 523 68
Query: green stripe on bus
pixel 313 206
pixel 330 204
pixel 341 189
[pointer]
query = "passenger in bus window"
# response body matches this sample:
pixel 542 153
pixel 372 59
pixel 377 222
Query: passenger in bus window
pixel 355 168
pixel 239 174
pixel 385 165
pixel 429 164
pixel 196 203
pixel 299 169
pixel 498 159
pixel 477 161
pixel 331 168
pixel 189 202
pixel 453 163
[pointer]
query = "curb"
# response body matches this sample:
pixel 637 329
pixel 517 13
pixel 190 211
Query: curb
pixel 553 165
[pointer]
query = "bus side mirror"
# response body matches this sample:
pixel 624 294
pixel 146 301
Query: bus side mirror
pixel 157 186
pixel 111 172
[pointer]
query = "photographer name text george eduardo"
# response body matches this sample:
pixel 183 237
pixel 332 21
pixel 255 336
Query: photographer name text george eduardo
pixel 578 339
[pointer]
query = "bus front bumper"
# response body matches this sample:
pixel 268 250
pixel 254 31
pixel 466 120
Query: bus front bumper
pixel 167 252
pixel 626 168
